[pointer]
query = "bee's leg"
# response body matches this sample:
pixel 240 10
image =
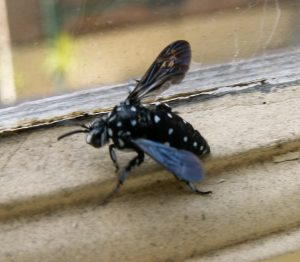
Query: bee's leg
pixel 196 190
pixel 113 156
pixel 136 161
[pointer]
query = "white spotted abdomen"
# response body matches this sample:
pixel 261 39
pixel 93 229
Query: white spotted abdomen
pixel 170 129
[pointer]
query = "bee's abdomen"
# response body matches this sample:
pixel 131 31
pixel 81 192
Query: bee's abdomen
pixel 199 145
pixel 171 129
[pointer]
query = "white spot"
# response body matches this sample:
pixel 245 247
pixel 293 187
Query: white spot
pixel 156 119
pixel 88 138
pixel 205 151
pixel 121 142
pixel 133 109
pixel 201 148
pixel 112 118
pixel 133 122
pixel 184 121
pixel 170 131
pixel 127 102
pixel 195 144
pixel 119 108
pixel 110 132
pixel 185 139
pixel 119 124
pixel 169 115
pixel 166 105
pixel 128 133
pixel 167 143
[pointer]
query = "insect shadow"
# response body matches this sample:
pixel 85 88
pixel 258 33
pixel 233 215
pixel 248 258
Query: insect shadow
pixel 152 129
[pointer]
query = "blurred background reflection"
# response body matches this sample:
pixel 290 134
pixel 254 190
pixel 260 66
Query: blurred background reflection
pixel 49 47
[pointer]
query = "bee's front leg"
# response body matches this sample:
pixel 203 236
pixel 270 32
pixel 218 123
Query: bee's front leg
pixel 136 161
pixel 113 155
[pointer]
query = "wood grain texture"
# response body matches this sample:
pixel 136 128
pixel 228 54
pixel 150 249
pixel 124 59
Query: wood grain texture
pixel 266 71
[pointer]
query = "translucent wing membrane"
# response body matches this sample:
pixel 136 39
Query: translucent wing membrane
pixel 183 164
pixel 169 67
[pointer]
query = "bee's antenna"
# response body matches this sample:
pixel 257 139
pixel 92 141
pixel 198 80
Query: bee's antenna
pixel 84 126
pixel 72 133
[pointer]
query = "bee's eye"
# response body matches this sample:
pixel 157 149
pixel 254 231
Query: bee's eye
pixel 97 137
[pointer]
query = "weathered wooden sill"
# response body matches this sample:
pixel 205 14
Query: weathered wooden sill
pixel 49 190
pixel 263 73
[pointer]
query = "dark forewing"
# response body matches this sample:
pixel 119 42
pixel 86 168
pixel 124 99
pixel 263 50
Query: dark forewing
pixel 183 164
pixel 169 67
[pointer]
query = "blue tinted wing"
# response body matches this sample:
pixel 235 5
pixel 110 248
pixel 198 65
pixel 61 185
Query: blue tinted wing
pixel 169 67
pixel 183 164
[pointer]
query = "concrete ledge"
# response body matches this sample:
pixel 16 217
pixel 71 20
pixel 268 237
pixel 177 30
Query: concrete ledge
pixel 160 221
pixel 154 217
pixel 268 247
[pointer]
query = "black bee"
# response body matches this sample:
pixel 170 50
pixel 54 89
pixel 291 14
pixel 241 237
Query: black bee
pixel 153 129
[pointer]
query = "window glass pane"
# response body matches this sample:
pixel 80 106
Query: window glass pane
pixel 49 47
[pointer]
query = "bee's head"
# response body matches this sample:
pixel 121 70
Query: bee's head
pixel 96 132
